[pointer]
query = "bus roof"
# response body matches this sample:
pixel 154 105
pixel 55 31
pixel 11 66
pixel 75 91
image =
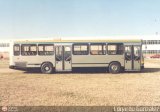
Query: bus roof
pixel 81 41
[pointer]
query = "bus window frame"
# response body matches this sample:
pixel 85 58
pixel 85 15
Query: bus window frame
pixel 16 51
pixel 104 51
pixel 73 52
pixel 45 53
pixel 29 53
pixel 116 48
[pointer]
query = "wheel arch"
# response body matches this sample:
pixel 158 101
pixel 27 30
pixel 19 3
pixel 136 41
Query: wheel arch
pixel 121 67
pixel 114 62
pixel 51 70
pixel 47 62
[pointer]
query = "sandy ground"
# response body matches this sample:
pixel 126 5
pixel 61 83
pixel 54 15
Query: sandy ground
pixel 20 88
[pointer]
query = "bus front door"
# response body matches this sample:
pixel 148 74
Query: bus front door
pixel 63 58
pixel 132 57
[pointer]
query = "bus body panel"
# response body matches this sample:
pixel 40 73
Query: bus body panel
pixel 96 60
pixel 32 61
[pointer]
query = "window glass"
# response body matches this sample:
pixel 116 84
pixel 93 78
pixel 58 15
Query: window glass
pixel 49 48
pixel 33 48
pixel 28 49
pixel 25 48
pixel 40 48
pixel 80 49
pixel 83 48
pixel 77 48
pixel 46 49
pixel 67 49
pixel 58 53
pixel 137 52
pixel 128 52
pixel 67 53
pixel 97 49
pixel 16 49
pixel 114 49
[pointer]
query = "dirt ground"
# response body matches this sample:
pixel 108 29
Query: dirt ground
pixel 20 88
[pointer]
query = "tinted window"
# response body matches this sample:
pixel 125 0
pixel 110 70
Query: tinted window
pixel 16 49
pixel 80 49
pixel 114 49
pixel 128 52
pixel 29 49
pixel 46 49
pixel 98 49
pixel 137 52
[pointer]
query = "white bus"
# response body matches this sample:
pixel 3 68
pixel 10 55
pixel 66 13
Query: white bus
pixel 71 55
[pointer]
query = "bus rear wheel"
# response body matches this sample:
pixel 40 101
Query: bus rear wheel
pixel 47 68
pixel 114 67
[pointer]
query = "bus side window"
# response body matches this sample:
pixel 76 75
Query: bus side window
pixel 115 49
pixel 28 49
pixel 33 50
pixel 16 49
pixel 80 49
pixel 24 50
pixel 45 49
pixel 97 48
pixel 40 50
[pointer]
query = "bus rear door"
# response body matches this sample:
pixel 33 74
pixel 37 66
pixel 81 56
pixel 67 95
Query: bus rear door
pixel 132 57
pixel 63 58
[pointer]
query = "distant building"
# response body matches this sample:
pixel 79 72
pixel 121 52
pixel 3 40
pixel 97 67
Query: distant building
pixel 4 49
pixel 151 45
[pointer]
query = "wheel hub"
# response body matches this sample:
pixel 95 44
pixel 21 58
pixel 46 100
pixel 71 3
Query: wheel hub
pixel 46 68
pixel 114 67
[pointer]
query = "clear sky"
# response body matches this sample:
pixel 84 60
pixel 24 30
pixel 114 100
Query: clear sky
pixel 62 18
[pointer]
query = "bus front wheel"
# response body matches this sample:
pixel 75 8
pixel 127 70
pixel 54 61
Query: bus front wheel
pixel 47 68
pixel 114 67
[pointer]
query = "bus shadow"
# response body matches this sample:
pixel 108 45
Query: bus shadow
pixel 85 71
pixel 32 71
pixel 145 70
pixel 150 70
pixel 66 72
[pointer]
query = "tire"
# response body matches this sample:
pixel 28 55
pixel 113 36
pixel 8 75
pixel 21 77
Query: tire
pixel 47 68
pixel 114 68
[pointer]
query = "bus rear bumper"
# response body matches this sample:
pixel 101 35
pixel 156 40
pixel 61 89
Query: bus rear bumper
pixel 12 67
pixel 33 69
pixel 17 67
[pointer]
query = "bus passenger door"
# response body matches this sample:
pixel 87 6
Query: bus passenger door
pixel 132 57
pixel 67 58
pixel 137 57
pixel 128 57
pixel 63 58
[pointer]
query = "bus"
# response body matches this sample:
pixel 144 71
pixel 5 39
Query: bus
pixel 51 56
